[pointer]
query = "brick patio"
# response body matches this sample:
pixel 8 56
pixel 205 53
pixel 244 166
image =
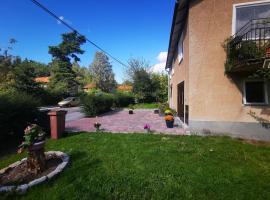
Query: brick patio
pixel 121 121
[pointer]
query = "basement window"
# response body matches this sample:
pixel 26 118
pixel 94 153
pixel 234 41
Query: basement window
pixel 255 92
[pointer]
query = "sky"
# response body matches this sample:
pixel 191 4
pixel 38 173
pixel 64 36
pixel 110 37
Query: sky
pixel 124 28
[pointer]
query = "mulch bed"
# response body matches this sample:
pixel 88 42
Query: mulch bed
pixel 20 175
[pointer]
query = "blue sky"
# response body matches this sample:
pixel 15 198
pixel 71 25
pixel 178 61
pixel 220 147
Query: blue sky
pixel 125 28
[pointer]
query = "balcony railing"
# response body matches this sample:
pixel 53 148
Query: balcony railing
pixel 249 47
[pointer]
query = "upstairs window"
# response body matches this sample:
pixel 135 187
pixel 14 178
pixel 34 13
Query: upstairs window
pixel 249 11
pixel 180 49
pixel 255 92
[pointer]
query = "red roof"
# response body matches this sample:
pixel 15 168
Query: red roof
pixel 45 79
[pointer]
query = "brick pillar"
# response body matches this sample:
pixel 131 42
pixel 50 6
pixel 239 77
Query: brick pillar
pixel 57 122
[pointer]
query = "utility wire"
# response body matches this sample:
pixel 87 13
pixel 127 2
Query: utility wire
pixel 73 29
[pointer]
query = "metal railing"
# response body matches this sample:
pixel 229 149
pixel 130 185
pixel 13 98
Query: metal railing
pixel 250 44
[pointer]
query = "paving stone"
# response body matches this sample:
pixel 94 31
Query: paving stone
pixel 121 121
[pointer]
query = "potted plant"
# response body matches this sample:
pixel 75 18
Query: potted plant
pixel 34 142
pixel 169 118
pixel 147 128
pixel 97 125
pixel 130 109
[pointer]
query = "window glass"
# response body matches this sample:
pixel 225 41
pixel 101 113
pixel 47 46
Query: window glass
pixel 246 13
pixel 180 49
pixel 255 92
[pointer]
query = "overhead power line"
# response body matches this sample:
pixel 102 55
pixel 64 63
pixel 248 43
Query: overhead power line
pixel 73 29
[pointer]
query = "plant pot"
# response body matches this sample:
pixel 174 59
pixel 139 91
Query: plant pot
pixel 147 130
pixel 156 111
pixel 37 146
pixel 130 112
pixel 169 124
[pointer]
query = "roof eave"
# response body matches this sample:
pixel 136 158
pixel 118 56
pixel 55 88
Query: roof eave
pixel 178 24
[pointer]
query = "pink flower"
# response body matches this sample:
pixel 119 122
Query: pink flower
pixel 146 126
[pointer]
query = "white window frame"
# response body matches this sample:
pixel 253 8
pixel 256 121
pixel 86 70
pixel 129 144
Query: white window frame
pixel 254 103
pixel 181 48
pixel 247 4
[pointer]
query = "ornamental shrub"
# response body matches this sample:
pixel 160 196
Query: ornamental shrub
pixel 96 103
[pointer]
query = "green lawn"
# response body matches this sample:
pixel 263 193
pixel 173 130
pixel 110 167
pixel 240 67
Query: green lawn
pixel 146 105
pixel 140 166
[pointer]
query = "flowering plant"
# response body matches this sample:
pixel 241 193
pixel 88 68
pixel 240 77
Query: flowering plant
pixel 32 134
pixel 169 118
pixel 147 126
pixel 168 112
pixel 97 124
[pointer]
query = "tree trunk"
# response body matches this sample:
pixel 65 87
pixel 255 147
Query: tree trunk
pixel 36 161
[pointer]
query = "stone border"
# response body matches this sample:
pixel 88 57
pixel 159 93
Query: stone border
pixel 24 187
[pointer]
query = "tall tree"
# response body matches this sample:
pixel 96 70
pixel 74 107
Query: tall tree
pixel 63 79
pixel 137 73
pixel 102 72
pixel 83 75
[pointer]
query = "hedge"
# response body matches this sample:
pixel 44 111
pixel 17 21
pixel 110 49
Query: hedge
pixel 123 99
pixel 96 103
pixel 16 111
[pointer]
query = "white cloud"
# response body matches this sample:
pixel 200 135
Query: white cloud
pixel 160 66
pixel 162 56
pixel 63 19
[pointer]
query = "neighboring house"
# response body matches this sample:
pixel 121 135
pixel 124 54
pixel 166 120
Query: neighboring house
pixel 126 88
pixel 89 87
pixel 208 96
pixel 43 81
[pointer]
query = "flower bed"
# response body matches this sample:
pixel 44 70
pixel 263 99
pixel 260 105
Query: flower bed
pixel 16 177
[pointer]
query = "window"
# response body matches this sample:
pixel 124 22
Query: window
pixel 180 49
pixel 243 13
pixel 255 92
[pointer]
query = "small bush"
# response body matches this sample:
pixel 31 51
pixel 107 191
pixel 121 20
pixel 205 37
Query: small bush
pixel 16 110
pixel 123 99
pixel 96 103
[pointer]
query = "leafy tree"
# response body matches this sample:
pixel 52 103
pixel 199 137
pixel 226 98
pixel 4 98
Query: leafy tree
pixel 22 78
pixel 63 79
pixel 102 72
pixel 160 83
pixel 142 86
pixel 40 69
pixel 137 73
pixel 83 75
pixel 135 65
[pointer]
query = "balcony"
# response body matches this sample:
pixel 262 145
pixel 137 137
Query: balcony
pixel 249 47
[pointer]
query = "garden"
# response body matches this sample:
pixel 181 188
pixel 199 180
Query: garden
pixel 146 166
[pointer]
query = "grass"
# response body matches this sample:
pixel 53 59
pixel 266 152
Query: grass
pixel 140 166
pixel 146 105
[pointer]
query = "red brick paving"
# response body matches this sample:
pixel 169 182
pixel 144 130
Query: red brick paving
pixel 121 121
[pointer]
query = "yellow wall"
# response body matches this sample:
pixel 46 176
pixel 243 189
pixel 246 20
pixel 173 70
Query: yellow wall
pixel 212 96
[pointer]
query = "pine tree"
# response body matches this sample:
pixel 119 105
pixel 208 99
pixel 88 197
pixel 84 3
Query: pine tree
pixel 102 72
pixel 63 78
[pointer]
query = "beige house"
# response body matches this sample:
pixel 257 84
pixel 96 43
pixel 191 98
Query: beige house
pixel 216 89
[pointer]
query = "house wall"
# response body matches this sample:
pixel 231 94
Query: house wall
pixel 180 71
pixel 215 100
